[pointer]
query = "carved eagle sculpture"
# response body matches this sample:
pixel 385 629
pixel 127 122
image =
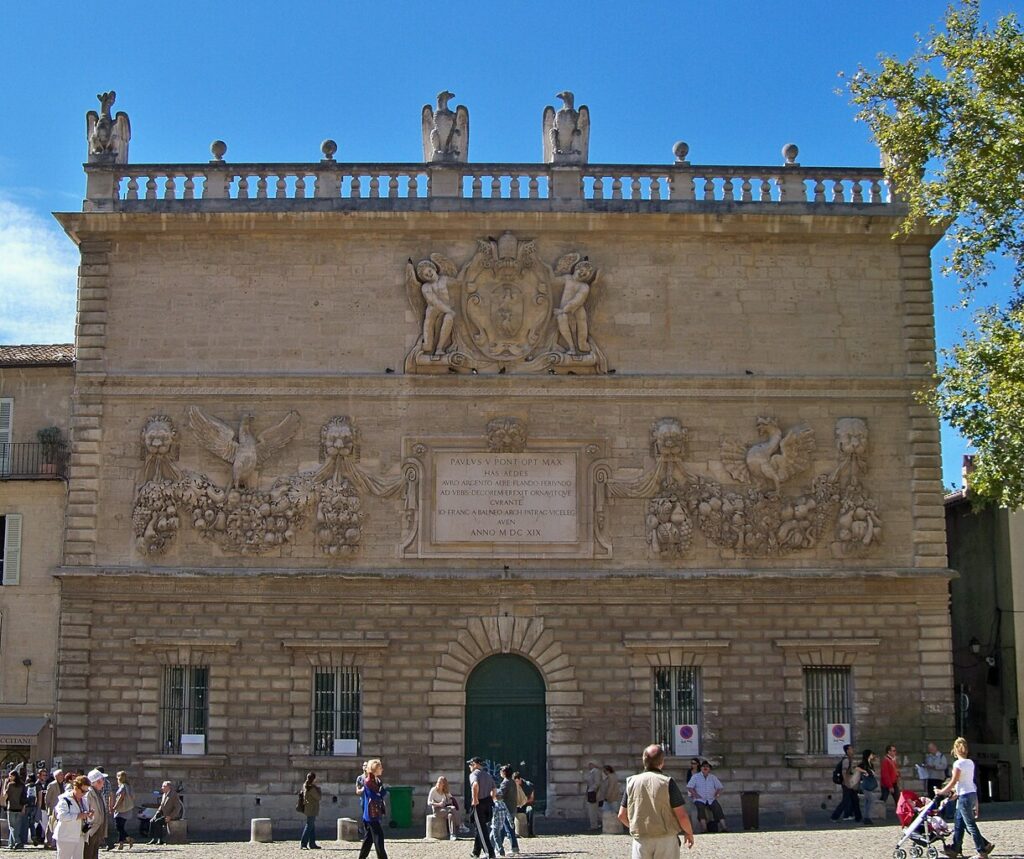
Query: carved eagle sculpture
pixel 566 131
pixel 775 459
pixel 247 452
pixel 108 135
pixel 445 131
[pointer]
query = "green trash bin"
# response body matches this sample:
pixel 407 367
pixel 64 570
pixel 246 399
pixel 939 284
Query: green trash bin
pixel 400 798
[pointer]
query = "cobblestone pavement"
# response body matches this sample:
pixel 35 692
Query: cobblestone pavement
pixel 848 842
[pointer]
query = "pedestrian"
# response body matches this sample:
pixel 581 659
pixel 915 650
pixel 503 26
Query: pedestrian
pixel 374 791
pixel 961 782
pixel 481 792
pixel 849 778
pixel 705 788
pixel 97 833
pixel 73 819
pixel 28 811
pixel 13 799
pixel 653 809
pixel 890 775
pixel 443 804
pixel 170 808
pixel 121 807
pixel 869 784
pixel 53 792
pixel 936 767
pixel 310 808
pixel 610 790
pixel 592 781
pixel 503 822
pixel 525 798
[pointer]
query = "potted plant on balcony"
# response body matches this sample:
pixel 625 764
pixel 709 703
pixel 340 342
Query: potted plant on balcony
pixel 50 440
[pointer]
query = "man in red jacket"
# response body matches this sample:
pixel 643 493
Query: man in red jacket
pixel 890 776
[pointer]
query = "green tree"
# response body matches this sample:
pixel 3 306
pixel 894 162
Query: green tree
pixel 950 122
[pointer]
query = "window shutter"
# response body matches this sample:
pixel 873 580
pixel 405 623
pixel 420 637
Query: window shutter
pixel 6 419
pixel 12 549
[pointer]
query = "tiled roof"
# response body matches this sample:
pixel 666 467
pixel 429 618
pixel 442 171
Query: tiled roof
pixel 38 355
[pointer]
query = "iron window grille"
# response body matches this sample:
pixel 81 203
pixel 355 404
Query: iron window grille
pixel 184 705
pixel 677 701
pixel 337 704
pixel 829 700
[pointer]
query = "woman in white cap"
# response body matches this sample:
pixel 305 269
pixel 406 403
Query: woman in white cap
pixel 73 820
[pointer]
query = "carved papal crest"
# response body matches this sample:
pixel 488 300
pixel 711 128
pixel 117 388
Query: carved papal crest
pixel 505 310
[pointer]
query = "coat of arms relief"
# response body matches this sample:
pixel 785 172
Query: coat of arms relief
pixel 505 310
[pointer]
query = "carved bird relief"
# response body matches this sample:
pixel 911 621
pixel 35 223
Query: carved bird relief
pixel 246 452
pixel 775 459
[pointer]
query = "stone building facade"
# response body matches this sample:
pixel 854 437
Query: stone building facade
pixel 354 442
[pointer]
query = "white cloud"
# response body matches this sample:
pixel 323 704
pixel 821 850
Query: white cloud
pixel 37 278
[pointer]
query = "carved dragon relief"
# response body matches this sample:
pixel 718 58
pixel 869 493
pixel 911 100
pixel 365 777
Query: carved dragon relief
pixel 241 517
pixel 505 310
pixel 756 519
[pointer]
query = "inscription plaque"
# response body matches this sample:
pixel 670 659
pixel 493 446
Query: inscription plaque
pixel 505 497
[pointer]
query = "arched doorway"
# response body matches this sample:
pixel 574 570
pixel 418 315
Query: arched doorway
pixel 506 720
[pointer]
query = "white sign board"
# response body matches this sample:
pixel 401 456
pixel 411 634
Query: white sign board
pixel 193 744
pixel 346 747
pixel 686 740
pixel 837 735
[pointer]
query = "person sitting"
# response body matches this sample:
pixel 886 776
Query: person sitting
pixel 170 809
pixel 443 804
pixel 704 789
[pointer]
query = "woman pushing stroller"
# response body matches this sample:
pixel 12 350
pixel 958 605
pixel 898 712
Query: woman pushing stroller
pixel 961 782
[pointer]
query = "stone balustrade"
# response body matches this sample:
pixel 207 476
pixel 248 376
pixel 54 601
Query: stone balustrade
pixel 219 185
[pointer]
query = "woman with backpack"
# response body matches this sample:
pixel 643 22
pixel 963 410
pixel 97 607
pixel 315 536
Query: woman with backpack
pixel 374 791
pixel 123 805
pixel 309 798
pixel 869 786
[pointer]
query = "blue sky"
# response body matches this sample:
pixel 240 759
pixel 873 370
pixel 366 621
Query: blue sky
pixel 735 80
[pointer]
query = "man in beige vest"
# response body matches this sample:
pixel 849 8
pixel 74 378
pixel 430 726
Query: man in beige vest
pixel 654 809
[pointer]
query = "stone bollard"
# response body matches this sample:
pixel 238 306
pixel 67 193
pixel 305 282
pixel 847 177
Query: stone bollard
pixel 261 831
pixel 4 830
pixel 437 827
pixel 610 824
pixel 348 829
pixel 522 825
pixel 177 831
pixel 793 813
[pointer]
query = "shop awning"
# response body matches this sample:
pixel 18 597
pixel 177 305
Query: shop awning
pixel 20 730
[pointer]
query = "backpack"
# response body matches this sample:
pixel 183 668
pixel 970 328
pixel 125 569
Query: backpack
pixel 300 803
pixel 837 773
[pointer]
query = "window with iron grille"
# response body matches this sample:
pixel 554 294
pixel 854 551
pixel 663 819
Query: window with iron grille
pixel 184 705
pixel 677 701
pixel 337 704
pixel 829 700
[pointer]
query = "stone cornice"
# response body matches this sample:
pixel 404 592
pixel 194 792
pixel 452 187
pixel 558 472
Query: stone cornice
pixel 814 643
pixel 196 642
pixel 370 641
pixel 644 642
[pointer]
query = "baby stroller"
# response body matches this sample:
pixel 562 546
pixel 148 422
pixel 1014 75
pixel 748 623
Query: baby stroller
pixel 922 827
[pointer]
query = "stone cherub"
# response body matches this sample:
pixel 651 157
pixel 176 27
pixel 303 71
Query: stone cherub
pixel 426 283
pixel 247 451
pixel 445 131
pixel 108 136
pixel 578 274
pixel 566 132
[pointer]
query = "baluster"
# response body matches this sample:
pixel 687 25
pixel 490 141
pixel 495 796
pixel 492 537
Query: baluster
pixel 599 187
pixel 746 195
pixel 190 189
pixel 875 192
pixel 709 189
pixel 819 191
pixel 414 186
pixel 355 192
pixel 533 188
pixel 858 193
pixel 261 186
pixel 151 188
pixel 655 188
pixel 281 188
pixel 513 188
pixel 766 191
pixel 477 192
pixel 727 195
pixel 616 188
pixel 374 186
pixel 133 188
pixel 837 191
pixel 634 188
pixel 393 186
pixel 170 188
pixel 300 187
pixel 495 187
pixel 243 188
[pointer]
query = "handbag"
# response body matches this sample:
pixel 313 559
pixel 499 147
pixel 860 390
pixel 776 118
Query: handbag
pixel 869 783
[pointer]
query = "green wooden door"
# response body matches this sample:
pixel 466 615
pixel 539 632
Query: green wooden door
pixel 505 719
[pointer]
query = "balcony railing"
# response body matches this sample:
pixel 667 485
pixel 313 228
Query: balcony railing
pixel 223 186
pixel 33 461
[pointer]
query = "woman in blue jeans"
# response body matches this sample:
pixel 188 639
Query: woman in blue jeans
pixel 962 782
pixel 14 798
pixel 311 808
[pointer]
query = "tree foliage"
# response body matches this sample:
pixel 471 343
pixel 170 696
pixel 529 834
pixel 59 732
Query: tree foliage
pixel 981 392
pixel 950 122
